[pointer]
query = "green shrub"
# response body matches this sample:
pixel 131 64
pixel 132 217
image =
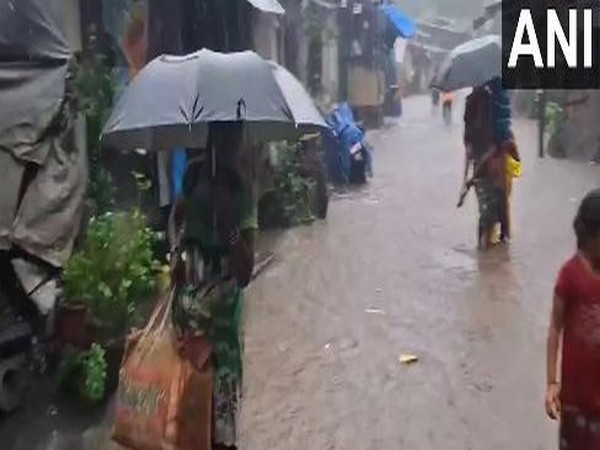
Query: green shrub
pixel 84 374
pixel 555 118
pixel 114 271
pixel 292 189
pixel 94 369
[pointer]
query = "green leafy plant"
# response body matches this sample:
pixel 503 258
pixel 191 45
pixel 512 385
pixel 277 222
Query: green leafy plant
pixel 94 369
pixel 94 91
pixel 555 118
pixel 114 272
pixel 292 189
pixel 70 371
pixel 101 189
pixel 84 373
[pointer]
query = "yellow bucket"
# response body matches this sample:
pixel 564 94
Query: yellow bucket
pixel 513 167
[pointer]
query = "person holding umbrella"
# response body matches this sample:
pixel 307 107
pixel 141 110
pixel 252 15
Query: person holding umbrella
pixel 480 153
pixel 215 223
pixel 218 105
pixel 489 143
pixel 488 137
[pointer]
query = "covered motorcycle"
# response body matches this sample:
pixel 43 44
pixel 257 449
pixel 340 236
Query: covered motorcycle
pixel 348 155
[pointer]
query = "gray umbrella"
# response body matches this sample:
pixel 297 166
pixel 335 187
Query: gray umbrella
pixel 470 64
pixel 305 113
pixel 172 101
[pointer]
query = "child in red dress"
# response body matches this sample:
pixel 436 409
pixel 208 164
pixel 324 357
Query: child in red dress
pixel 574 399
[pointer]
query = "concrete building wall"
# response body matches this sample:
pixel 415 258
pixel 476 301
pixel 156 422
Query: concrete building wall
pixel 330 64
pixel 267 36
pixel 72 23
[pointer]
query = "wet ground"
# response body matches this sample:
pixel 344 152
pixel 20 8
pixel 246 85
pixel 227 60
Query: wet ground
pixel 394 270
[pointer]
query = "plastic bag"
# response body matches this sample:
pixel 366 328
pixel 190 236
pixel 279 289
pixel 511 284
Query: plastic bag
pixel 163 402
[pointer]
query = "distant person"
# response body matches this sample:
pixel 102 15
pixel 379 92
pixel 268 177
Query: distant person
pixel 435 98
pixel 573 393
pixel 447 99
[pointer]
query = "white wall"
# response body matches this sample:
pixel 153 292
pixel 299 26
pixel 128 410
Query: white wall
pixel 330 69
pixel 72 23
pixel 265 36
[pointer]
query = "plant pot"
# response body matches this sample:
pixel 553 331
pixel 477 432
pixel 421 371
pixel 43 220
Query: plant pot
pixel 73 327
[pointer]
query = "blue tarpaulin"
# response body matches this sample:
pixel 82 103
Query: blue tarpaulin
pixel 342 135
pixel 178 166
pixel 404 25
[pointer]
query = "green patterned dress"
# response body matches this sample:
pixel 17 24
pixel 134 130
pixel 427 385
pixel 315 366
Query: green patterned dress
pixel 211 304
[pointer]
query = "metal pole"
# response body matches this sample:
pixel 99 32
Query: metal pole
pixel 541 122
pixel 343 48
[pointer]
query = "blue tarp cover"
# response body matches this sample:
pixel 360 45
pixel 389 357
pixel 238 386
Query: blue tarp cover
pixel 342 135
pixel 404 25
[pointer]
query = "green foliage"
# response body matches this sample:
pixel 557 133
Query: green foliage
pixel 70 371
pixel 94 90
pixel 555 118
pixel 114 271
pixel 94 369
pixel 84 373
pixel 101 189
pixel 291 187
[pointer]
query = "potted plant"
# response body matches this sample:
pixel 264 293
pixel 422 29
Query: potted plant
pixel 113 272
pixel 73 325
pixel 113 275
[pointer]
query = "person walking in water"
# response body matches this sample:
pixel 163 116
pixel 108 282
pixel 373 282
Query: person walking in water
pixel 447 99
pixel 435 99
pixel 488 169
pixel 573 398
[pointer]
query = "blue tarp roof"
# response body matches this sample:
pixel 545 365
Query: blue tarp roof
pixel 405 26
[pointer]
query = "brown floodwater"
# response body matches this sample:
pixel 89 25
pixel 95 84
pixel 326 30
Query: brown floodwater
pixel 393 270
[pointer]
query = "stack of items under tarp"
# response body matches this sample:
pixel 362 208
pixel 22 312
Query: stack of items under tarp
pixel 44 170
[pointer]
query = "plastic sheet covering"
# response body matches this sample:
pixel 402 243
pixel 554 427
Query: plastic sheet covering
pixel 12 174
pixel 38 282
pixel 49 217
pixel 31 94
pixel 32 29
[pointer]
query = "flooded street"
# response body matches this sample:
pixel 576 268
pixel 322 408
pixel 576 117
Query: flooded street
pixel 394 270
